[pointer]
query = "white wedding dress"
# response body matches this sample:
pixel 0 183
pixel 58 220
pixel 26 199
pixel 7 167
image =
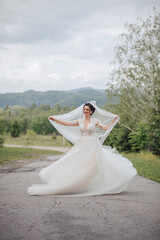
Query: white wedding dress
pixel 89 168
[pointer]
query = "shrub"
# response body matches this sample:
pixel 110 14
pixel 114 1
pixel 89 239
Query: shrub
pixel 15 129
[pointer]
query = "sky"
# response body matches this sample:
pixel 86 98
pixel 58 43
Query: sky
pixel 62 44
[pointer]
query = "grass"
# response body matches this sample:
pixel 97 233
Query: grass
pixel 40 140
pixel 147 164
pixel 10 154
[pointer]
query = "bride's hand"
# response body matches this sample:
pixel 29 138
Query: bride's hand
pixel 116 117
pixel 52 118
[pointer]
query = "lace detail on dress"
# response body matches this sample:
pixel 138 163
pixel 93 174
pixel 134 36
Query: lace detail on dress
pixel 89 130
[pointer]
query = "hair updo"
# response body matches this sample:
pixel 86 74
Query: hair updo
pixel 90 106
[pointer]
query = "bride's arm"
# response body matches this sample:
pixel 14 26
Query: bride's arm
pixel 65 123
pixel 106 127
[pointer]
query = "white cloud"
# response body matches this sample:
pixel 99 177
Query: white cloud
pixel 56 45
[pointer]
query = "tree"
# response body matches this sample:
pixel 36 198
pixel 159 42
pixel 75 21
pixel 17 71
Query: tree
pixel 135 88
pixel 2 126
pixel 56 108
pixel 41 125
pixel 139 140
pixel 154 132
pixel 15 129
pixel 24 124
pixel 119 138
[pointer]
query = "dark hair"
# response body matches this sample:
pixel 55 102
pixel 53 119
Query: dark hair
pixel 90 106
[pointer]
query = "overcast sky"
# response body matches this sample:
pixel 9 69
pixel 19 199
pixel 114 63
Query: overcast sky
pixel 62 44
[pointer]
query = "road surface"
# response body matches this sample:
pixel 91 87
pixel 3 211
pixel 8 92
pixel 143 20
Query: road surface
pixel 131 215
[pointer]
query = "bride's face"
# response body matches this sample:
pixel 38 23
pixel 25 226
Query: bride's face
pixel 87 111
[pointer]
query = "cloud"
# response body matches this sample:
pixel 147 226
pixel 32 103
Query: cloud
pixel 50 44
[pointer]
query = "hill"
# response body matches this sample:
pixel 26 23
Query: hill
pixel 68 98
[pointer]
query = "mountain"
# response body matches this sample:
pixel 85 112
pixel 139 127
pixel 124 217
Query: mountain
pixel 69 98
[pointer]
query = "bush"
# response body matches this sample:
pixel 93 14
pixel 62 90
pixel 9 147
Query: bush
pixel 24 124
pixel 139 140
pixel 119 138
pixel 41 125
pixel 2 126
pixel 15 129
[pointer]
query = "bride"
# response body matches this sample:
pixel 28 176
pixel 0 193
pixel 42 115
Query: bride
pixel 89 168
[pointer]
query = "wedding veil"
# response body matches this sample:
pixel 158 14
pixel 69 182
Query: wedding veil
pixel 72 133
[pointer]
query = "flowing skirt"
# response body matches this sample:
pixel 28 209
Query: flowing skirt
pixel 87 169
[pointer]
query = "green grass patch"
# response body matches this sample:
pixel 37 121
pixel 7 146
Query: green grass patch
pixel 147 164
pixel 10 154
pixel 40 140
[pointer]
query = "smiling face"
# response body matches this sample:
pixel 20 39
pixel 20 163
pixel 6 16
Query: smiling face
pixel 87 111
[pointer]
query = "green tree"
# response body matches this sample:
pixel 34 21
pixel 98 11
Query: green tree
pixel 15 129
pixel 154 132
pixel 135 80
pixel 56 108
pixel 41 125
pixel 24 124
pixel 2 129
pixel 139 140
pixel 7 123
pixel 2 126
pixel 119 138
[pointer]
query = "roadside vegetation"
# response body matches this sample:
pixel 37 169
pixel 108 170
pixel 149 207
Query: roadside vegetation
pixel 11 155
pixel 38 140
pixel 147 164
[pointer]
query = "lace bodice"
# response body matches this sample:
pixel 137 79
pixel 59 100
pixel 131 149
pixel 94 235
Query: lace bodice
pixel 90 128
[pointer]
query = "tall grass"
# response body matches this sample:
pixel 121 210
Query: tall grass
pixel 146 163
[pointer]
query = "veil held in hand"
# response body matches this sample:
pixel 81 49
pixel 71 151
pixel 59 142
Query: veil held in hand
pixel 72 133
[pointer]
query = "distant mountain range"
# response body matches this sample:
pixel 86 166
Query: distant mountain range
pixel 69 98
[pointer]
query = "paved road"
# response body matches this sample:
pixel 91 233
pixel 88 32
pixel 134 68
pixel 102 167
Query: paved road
pixel 131 215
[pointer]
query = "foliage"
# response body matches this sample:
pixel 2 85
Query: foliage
pixel 34 118
pixel 2 126
pixel 154 132
pixel 1 142
pixel 134 92
pixel 24 125
pixel 41 126
pixel 139 140
pixel 7 123
pixel 119 138
pixel 15 129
